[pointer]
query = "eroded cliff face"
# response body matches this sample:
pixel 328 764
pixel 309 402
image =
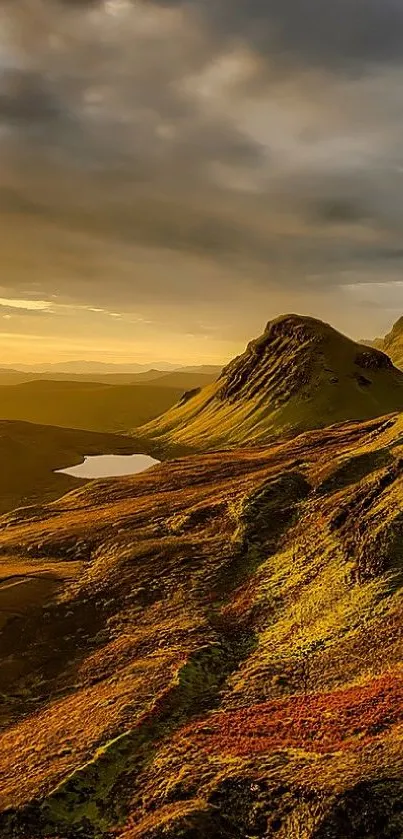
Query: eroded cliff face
pixel 285 359
pixel 277 365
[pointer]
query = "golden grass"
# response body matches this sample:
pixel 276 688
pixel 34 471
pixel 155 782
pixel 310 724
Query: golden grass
pixel 224 657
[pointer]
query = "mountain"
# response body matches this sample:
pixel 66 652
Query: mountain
pixel 100 371
pixel 300 374
pixel 9 376
pixel 89 367
pixel 212 649
pixel 392 343
pixel 176 378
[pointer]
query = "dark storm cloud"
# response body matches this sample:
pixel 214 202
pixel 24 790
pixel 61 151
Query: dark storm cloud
pixel 26 98
pixel 345 32
pixel 343 211
pixel 108 93
pixel 128 125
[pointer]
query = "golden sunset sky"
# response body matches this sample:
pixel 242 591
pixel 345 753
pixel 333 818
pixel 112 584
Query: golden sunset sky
pixel 175 174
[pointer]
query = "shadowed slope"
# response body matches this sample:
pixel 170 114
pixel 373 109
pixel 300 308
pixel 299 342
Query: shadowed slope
pixel 299 374
pixel 225 659
pixel 30 453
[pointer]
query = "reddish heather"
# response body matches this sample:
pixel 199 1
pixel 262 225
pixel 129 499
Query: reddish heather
pixel 321 723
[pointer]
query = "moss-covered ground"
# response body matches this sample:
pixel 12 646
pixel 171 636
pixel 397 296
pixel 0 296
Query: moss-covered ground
pixel 223 659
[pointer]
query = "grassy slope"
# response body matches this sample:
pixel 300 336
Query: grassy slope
pixel 87 405
pixel 392 343
pixel 300 374
pixel 29 454
pixel 253 687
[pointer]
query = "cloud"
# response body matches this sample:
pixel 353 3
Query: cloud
pixel 337 35
pixel 28 305
pixel 345 33
pixel 25 98
pixel 165 156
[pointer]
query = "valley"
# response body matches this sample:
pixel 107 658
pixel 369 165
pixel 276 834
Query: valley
pixel 46 425
pixel 95 406
pixel 31 454
pixel 213 647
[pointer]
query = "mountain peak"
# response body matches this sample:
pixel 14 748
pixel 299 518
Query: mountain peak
pixel 293 321
pixel 299 374
pixel 289 357
pixel 299 327
pixel 304 327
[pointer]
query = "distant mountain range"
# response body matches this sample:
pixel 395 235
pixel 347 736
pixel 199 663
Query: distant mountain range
pixel 298 375
pixel 111 403
pixel 83 367
pixel 90 368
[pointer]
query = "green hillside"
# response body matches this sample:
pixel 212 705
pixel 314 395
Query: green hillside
pixel 300 374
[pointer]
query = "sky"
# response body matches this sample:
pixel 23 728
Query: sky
pixel 175 173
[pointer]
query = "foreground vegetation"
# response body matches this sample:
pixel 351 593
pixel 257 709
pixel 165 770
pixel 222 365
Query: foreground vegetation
pixel 219 653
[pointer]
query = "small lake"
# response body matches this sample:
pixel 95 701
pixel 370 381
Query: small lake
pixel 110 466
